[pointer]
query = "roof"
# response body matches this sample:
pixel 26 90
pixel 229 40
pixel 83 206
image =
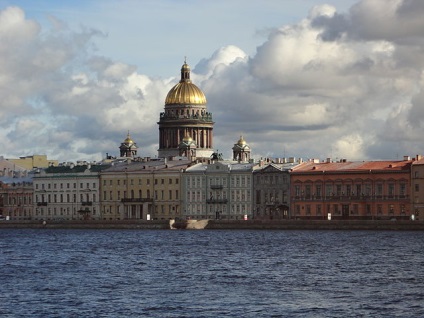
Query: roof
pixel 149 165
pixel 228 164
pixel 355 166
pixel 75 168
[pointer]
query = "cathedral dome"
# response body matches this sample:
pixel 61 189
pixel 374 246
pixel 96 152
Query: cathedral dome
pixel 185 92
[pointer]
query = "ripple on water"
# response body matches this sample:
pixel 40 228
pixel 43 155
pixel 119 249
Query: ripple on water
pixel 114 273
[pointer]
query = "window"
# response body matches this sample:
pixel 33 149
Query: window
pixel 328 190
pixel 391 189
pixel 402 189
pixel 318 190
pixel 297 190
pixel 358 189
pixel 308 191
pixel 391 209
pixel 379 189
pixel 368 208
pixel 417 187
pixel 308 209
pixel 318 209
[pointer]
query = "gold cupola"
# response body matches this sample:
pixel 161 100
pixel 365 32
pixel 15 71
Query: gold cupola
pixel 185 92
pixel 128 147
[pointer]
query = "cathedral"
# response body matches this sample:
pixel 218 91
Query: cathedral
pixel 185 127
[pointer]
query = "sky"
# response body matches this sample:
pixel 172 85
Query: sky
pixel 296 78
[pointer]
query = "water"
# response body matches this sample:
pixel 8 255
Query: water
pixel 141 273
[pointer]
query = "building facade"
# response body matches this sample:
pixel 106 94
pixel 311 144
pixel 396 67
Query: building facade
pixel 34 161
pixel 271 188
pixel 218 190
pixel 143 190
pixel 417 188
pixel 16 198
pixel 68 192
pixel 351 190
pixel 185 117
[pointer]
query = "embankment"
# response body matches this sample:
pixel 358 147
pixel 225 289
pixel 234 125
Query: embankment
pixel 224 225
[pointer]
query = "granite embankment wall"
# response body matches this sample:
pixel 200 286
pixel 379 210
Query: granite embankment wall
pixel 318 225
pixel 125 224
pixel 224 225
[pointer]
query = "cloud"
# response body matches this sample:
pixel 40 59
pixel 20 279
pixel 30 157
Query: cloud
pixel 347 85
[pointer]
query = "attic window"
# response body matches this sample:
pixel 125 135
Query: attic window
pixel 217 167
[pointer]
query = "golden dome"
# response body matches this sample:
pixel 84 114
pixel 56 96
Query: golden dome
pixel 128 140
pixel 241 141
pixel 187 139
pixel 185 92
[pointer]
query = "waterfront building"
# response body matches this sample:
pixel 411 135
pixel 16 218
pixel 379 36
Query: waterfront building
pixel 185 117
pixel 16 193
pixel 271 188
pixel 67 192
pixel 351 190
pixel 218 190
pixel 417 187
pixel 142 190
pixel 34 161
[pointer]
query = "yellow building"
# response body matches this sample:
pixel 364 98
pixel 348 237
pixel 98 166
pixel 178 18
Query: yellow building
pixel 34 161
pixel 144 190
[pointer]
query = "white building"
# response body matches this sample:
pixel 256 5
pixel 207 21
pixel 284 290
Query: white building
pixel 218 190
pixel 68 192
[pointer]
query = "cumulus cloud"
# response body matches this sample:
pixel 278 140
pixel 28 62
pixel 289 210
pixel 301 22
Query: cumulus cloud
pixel 325 86
pixel 346 85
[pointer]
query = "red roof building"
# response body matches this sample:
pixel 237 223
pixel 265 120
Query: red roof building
pixel 351 190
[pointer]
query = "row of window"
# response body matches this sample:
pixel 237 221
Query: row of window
pixel 158 195
pixel 239 195
pixel 271 179
pixel 198 209
pixel 48 186
pixel 12 200
pixel 119 182
pixel 354 209
pixel 350 190
pixel 236 181
pixel 65 198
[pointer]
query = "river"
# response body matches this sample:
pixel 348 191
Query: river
pixel 211 273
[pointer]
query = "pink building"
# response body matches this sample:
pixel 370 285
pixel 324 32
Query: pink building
pixel 351 190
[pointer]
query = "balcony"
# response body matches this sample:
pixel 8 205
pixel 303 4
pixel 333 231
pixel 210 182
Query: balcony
pixel 41 203
pixel 136 200
pixel 214 201
pixel 217 187
pixel 86 203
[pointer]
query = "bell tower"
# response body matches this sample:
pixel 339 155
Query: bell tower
pixel 241 151
pixel 128 147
